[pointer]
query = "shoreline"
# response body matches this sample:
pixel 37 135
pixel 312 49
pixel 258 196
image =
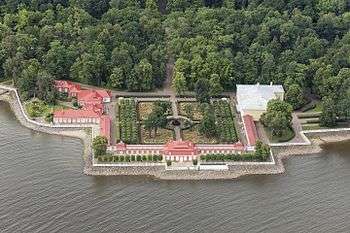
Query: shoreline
pixel 280 152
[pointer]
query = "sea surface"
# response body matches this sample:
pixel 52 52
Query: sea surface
pixel 42 189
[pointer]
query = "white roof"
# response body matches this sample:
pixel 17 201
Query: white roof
pixel 256 97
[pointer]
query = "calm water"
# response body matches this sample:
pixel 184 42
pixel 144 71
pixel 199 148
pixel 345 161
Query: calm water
pixel 42 189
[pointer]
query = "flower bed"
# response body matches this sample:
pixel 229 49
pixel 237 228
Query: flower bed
pixel 163 136
pixel 225 123
pixel 194 136
pixel 129 130
pixel 191 110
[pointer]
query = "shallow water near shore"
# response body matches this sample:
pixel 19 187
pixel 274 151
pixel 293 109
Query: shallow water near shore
pixel 42 189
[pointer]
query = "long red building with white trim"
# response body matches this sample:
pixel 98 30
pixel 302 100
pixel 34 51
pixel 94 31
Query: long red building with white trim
pixel 92 103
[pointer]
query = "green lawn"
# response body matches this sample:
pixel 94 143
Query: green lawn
pixel 38 108
pixel 317 108
pixel 286 136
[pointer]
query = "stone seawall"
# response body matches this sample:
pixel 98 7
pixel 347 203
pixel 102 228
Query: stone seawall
pixel 159 171
pixel 125 171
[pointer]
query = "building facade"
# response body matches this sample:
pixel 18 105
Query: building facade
pixel 253 99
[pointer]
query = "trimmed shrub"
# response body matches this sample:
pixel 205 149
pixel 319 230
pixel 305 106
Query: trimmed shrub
pixel 313 121
pixel 308 115
pixel 129 130
pixel 195 162
pixel 225 124
pixel 138 158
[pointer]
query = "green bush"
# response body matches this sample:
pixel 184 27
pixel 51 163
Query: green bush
pixel 259 155
pixel 133 158
pixel 138 158
pixel 168 163
pixel 49 117
pixel 127 158
pixel 36 108
pixel 144 158
pixel 195 162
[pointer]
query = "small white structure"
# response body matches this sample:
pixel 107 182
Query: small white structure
pixel 252 99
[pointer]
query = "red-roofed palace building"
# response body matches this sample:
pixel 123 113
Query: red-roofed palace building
pixel 250 130
pixel 68 87
pixel 180 151
pixel 71 116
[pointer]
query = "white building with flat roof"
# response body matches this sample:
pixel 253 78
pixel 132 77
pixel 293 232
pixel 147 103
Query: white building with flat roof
pixel 252 99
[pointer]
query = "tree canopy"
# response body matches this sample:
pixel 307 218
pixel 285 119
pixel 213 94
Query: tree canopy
pixel 124 44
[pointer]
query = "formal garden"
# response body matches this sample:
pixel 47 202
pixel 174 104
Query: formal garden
pixel 212 122
pixel 144 122
pixel 153 122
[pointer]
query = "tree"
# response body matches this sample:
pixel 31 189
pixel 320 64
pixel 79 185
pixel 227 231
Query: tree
pixel 157 118
pixel 215 85
pixel 207 126
pixel 295 96
pixel 177 5
pixel 262 151
pixel 116 79
pixel 45 87
pixel 278 117
pixel 179 83
pixel 329 112
pixel 202 89
pixel 58 60
pixel 99 145
pixel 144 74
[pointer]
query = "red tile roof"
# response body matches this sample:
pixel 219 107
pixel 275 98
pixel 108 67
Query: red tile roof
pixel 89 96
pixel 67 84
pixel 250 129
pixel 180 148
pixel 72 113
pixel 98 108
pixel 104 93
pixel 105 127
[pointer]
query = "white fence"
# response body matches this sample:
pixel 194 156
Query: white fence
pixel 214 167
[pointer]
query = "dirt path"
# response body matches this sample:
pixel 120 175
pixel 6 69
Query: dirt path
pixel 169 75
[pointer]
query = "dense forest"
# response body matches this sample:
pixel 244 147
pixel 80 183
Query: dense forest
pixel 125 44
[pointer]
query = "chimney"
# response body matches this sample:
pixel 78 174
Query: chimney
pixel 271 83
